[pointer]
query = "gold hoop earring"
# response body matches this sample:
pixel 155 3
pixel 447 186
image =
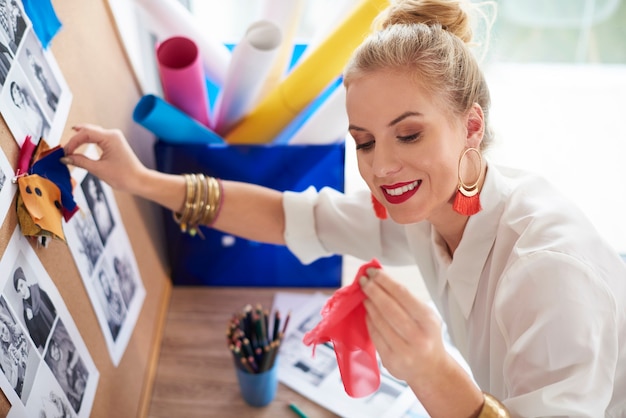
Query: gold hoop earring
pixel 467 197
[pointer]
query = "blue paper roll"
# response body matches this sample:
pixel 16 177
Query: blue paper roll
pixel 171 124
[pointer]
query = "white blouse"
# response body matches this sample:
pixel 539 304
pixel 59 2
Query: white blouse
pixel 534 298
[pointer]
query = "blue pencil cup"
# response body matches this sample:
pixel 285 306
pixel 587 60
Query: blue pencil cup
pixel 258 389
pixel 223 260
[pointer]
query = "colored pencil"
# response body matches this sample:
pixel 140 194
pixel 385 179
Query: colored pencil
pixel 276 325
pixel 297 410
pixel 249 339
pixel 286 322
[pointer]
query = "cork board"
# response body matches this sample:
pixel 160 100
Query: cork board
pixel 105 91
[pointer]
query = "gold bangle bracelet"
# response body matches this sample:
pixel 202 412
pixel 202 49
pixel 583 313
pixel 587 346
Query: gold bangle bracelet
pixel 190 206
pixel 492 408
pixel 198 203
pixel 213 203
pixel 182 217
pixel 219 197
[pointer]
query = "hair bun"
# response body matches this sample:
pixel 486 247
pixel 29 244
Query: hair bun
pixel 449 14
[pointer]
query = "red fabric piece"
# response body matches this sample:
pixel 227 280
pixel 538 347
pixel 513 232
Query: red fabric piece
pixel 25 156
pixel 343 324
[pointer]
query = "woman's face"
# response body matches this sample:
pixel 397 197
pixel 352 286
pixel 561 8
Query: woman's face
pixel 408 148
pixel 16 94
pixel 5 334
pixel 92 188
pixel 22 289
pixel 104 282
pixel 55 353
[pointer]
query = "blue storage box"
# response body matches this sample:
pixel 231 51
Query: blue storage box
pixel 223 260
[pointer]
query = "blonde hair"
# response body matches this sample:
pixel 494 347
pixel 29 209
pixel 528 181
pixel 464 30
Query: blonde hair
pixel 431 40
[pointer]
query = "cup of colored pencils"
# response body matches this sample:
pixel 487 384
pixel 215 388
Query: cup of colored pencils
pixel 254 338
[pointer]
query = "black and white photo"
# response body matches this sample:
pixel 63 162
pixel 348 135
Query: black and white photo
pixel 67 365
pixel 39 74
pixel 98 206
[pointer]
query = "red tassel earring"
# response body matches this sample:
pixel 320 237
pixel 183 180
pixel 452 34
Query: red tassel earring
pixel 467 198
pixel 379 209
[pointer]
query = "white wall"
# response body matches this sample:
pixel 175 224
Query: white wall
pixel 567 122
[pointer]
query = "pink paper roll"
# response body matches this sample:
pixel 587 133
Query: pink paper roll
pixel 182 77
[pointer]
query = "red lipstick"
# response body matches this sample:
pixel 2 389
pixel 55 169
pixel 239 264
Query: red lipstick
pixel 401 192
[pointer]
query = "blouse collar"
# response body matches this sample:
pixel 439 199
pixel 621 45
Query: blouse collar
pixel 465 270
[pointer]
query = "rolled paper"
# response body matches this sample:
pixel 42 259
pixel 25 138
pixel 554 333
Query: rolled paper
pixel 168 18
pixel 327 122
pixel 251 62
pixel 305 82
pixel 340 9
pixel 286 14
pixel 170 124
pixel 324 121
pixel 182 77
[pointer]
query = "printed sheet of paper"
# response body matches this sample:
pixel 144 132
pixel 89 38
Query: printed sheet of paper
pixel 105 259
pixel 7 187
pixel 44 361
pixel 34 96
pixel 318 378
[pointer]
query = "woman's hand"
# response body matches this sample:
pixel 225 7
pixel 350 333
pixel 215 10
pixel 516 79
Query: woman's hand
pixel 405 331
pixel 118 165
pixel 408 337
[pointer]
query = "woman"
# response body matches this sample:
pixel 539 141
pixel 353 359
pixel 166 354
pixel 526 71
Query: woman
pixel 532 296
pixel 13 353
pixel 51 97
pixel 68 369
pixel 125 281
pixel 99 207
pixel 39 311
pixel 115 310
pixel 31 117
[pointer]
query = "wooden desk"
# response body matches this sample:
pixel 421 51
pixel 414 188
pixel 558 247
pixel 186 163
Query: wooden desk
pixel 195 375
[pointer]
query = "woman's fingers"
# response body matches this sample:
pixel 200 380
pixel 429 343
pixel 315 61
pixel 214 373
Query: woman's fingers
pixel 83 135
pixel 405 331
pixel 117 164
pixel 402 297
pixel 79 161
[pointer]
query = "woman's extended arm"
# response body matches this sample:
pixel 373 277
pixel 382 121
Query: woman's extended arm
pixel 247 210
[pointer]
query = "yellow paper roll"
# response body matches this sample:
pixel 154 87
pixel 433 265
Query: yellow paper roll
pixel 307 80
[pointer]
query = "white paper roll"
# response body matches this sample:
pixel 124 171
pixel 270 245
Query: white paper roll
pixel 286 14
pixel 167 18
pixel 252 59
pixel 328 124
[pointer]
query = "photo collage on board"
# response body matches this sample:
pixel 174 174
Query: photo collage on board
pixel 44 361
pixel 34 97
pixel 105 259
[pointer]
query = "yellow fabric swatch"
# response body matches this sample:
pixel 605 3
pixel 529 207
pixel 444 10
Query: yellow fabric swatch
pixel 42 199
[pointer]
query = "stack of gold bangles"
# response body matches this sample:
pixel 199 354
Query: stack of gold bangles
pixel 203 198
